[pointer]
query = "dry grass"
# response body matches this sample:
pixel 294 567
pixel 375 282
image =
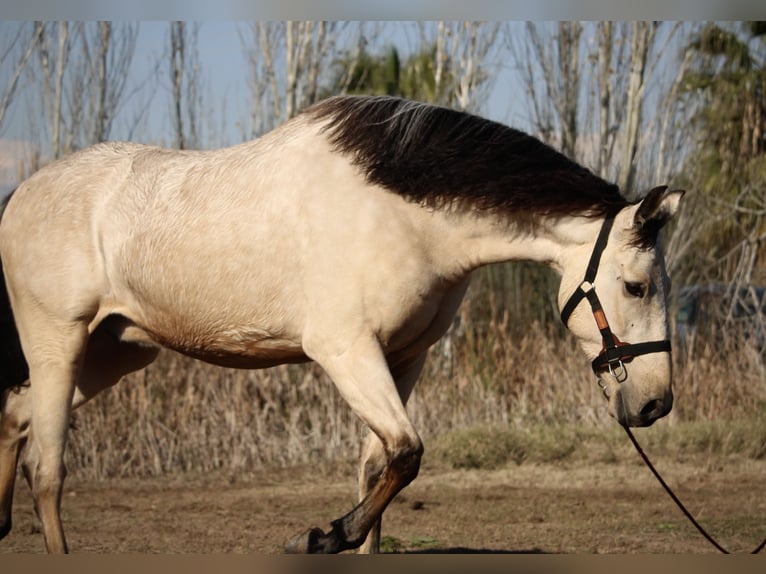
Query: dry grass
pixel 180 415
pixel 722 378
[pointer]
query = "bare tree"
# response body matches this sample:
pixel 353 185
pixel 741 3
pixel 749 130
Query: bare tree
pixel 53 51
pixel 624 66
pixel 551 67
pixel 610 88
pixel 306 47
pixel 96 77
pixel 643 34
pixel 81 72
pixel 115 48
pixel 105 29
pixel 185 88
pixel 287 61
pixel 177 53
pixel 606 51
pixel 15 56
pixel 587 90
pixel 461 54
pixel 674 134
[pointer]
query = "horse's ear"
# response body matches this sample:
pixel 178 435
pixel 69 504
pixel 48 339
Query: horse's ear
pixel 654 211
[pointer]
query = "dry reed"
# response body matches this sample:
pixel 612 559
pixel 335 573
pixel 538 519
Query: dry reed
pixel 181 415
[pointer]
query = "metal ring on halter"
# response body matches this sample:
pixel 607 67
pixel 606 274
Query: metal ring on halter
pixel 620 373
pixel 602 386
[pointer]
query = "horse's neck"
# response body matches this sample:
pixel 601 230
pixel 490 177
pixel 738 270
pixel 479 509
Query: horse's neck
pixel 550 241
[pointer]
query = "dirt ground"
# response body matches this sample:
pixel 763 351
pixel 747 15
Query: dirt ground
pixel 564 508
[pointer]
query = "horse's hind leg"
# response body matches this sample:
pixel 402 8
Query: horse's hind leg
pixel 55 356
pixel 373 459
pixel 107 360
pixel 14 422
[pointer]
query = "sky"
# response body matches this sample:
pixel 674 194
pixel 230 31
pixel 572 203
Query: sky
pixel 225 90
pixel 224 65
pixel 385 10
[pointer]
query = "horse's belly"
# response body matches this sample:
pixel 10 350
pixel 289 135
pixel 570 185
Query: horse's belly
pixel 254 357
pixel 243 347
pixel 233 352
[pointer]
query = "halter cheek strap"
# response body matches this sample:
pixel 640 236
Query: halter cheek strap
pixel 614 353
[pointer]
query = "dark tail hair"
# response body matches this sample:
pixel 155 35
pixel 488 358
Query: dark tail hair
pixel 14 370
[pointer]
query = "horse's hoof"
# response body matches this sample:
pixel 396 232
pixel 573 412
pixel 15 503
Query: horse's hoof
pixel 5 528
pixel 305 543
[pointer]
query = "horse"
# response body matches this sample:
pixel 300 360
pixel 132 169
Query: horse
pixel 346 236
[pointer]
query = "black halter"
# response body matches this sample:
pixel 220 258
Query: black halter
pixel 614 353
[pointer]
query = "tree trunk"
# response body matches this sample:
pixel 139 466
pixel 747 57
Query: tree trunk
pixel 103 54
pixel 177 52
pixel 10 89
pixel 58 95
pixel 605 41
pixel 643 34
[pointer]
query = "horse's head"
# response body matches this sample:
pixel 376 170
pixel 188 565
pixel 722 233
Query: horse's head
pixel 616 305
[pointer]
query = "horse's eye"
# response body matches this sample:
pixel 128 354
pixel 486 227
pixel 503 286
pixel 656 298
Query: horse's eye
pixel 635 289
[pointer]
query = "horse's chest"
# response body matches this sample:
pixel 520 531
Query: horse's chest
pixel 420 318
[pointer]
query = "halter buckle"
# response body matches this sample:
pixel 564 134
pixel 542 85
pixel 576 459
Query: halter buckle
pixel 620 373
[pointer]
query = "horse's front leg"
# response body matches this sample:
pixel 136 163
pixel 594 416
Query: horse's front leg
pixel 14 426
pixel 373 460
pixel 362 376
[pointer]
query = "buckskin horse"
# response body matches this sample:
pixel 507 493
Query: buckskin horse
pixel 347 236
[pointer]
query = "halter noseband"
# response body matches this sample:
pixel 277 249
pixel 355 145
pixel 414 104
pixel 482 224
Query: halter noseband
pixel 614 353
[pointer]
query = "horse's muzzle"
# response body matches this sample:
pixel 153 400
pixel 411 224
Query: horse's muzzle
pixel 648 413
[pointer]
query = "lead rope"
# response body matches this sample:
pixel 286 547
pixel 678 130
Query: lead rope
pixel 677 501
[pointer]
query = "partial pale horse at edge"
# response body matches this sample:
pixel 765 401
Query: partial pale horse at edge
pixel 347 236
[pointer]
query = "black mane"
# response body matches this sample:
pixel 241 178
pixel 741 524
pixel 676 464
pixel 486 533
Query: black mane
pixel 436 156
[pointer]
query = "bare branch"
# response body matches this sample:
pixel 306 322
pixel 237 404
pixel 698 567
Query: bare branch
pixel 287 67
pixel 177 53
pixel 58 95
pixel 10 89
pixel 643 35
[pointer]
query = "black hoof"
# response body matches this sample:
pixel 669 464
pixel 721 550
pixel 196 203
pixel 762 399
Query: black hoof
pixel 315 541
pixel 305 543
pixel 5 528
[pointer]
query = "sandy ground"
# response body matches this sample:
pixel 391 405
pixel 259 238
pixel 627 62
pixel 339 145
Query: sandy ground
pixel 562 508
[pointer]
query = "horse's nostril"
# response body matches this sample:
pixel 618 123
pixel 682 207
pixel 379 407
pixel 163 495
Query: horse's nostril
pixel 652 409
pixel 656 409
